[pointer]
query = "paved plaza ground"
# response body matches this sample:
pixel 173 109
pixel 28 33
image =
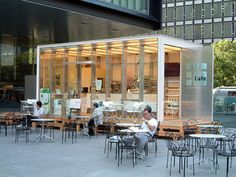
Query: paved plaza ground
pixel 86 158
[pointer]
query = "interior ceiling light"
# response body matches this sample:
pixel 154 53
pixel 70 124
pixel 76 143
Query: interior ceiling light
pixel 116 44
pixel 172 48
pixel 150 41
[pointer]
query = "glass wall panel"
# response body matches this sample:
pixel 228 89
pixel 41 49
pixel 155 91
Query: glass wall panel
pixel 141 6
pixel 198 11
pixel 207 30
pixel 132 72
pixel 163 15
pixel 207 10
pixel 150 66
pixel 217 9
pixel 228 9
pixel 124 3
pixel 217 30
pixel 189 32
pixel 115 65
pixel 198 31
pixel 189 12
pixel 197 83
pixel 170 14
pixel 100 69
pixel 227 29
pixel 170 30
pixel 179 13
pixel 179 31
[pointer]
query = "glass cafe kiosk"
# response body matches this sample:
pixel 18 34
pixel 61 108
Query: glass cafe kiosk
pixel 174 76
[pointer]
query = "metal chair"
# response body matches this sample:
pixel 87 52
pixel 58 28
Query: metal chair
pixel 228 150
pixel 24 127
pixel 183 151
pixel 127 144
pixel 69 128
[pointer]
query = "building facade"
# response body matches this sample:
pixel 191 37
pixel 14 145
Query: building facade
pixel 28 23
pixel 200 21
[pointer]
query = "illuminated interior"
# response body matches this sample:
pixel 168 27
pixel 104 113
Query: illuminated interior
pixel 119 71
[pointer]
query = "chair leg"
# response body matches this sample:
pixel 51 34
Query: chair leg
pixel 227 167
pixel 167 159
pixel 184 167
pixel 170 164
pixel 193 167
pixel 105 145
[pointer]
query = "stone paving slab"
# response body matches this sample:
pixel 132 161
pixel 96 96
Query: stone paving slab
pixel 86 158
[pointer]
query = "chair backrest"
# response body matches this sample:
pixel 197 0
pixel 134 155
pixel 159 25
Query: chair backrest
pixel 190 126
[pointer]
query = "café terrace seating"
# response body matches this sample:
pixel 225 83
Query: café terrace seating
pixel 182 150
pixel 227 149
pixel 69 130
pixel 23 128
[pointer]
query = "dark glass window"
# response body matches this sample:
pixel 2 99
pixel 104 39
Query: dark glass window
pixel 227 29
pixel 170 14
pixel 217 9
pixel 207 10
pixel 198 31
pixel 207 30
pixel 179 32
pixel 189 32
pixel 198 11
pixel 170 1
pixel 217 30
pixel 228 9
pixel 179 13
pixel 189 12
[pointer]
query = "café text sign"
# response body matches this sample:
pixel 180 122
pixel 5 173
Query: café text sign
pixel 196 74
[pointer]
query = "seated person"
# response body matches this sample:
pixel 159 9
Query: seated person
pixel 38 111
pixel 96 119
pixel 149 124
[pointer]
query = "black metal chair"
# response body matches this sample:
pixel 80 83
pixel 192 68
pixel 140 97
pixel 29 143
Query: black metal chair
pixel 111 125
pixel 24 127
pixel 69 128
pixel 228 150
pixel 183 151
pixel 127 143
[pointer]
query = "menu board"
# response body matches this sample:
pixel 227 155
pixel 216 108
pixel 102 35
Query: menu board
pixel 75 103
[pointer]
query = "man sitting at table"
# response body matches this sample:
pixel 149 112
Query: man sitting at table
pixel 96 118
pixel 150 125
